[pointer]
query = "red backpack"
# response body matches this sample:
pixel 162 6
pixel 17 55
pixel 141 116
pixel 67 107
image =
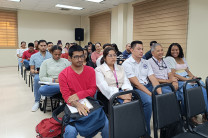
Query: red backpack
pixel 48 128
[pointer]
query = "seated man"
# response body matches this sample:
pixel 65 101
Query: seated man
pixel 148 54
pixel 127 52
pixel 78 82
pixel 35 63
pixel 27 54
pixel 139 73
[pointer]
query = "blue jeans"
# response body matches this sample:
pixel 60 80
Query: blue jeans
pixel 19 63
pixel 49 90
pixel 26 63
pixel 147 102
pixel 147 105
pixel 36 88
pixel 180 95
pixel 71 131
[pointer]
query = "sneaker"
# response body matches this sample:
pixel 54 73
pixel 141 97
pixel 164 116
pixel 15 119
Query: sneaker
pixel 35 107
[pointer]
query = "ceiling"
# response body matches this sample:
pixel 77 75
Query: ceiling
pixel 49 5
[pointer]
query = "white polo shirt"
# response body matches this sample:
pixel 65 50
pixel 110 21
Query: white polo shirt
pixel 141 70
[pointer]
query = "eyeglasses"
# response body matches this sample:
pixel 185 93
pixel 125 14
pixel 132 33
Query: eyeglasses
pixel 163 66
pixel 77 57
pixel 111 56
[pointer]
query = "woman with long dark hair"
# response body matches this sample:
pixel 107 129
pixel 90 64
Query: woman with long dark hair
pixel 179 67
pixel 111 78
pixel 87 61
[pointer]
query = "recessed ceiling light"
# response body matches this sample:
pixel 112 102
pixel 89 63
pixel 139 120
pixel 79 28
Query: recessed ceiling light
pixel 68 7
pixel 15 0
pixel 98 1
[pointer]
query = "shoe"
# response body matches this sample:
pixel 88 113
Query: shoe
pixel 35 107
pixel 204 119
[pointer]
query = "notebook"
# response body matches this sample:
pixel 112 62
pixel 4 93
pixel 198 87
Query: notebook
pixel 82 101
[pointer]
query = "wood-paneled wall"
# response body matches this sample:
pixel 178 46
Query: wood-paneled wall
pixel 164 21
pixel 100 28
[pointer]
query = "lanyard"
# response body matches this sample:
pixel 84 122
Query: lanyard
pixel 114 73
pixel 160 67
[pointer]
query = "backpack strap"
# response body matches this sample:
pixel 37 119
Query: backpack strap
pixel 57 111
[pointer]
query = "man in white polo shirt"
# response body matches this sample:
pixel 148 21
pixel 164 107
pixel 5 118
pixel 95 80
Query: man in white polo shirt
pixel 142 78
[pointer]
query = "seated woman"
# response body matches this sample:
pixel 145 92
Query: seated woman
pixel 49 71
pixel 96 54
pixel 87 61
pixel 176 61
pixel 111 78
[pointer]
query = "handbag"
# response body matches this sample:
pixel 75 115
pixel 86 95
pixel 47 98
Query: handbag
pixel 87 126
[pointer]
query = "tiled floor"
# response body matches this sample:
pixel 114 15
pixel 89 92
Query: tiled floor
pixel 16 101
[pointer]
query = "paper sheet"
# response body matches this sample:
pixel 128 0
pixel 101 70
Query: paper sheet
pixel 82 101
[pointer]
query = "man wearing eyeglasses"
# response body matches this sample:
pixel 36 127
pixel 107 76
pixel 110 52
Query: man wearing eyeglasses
pixel 159 67
pixel 78 82
pixel 163 73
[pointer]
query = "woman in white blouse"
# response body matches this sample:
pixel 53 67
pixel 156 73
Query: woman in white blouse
pixel 111 78
pixel 20 52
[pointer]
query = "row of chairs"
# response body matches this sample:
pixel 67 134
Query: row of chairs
pixel 54 100
pixel 128 120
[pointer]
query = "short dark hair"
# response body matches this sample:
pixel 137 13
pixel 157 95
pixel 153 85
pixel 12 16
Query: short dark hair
pixel 23 42
pixel 106 44
pixel 49 43
pixel 133 43
pixel 55 47
pixel 30 45
pixel 89 43
pixel 152 42
pixel 75 48
pixel 115 46
pixel 41 41
pixel 105 53
pixel 181 55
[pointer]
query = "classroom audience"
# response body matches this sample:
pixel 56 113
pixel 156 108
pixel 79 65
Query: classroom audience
pixel 79 72
pixel 49 71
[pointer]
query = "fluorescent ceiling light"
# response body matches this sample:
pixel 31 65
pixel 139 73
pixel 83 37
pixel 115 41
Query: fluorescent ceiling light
pixel 68 7
pixel 98 1
pixel 15 0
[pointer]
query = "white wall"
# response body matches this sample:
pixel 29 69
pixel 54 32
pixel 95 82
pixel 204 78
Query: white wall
pixel 39 25
pixel 197 45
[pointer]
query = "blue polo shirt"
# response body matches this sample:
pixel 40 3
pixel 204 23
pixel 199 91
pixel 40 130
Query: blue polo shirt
pixel 126 54
pixel 37 59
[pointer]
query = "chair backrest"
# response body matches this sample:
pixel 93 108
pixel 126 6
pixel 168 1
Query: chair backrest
pixel 127 120
pixel 166 109
pixel 206 81
pixel 194 99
